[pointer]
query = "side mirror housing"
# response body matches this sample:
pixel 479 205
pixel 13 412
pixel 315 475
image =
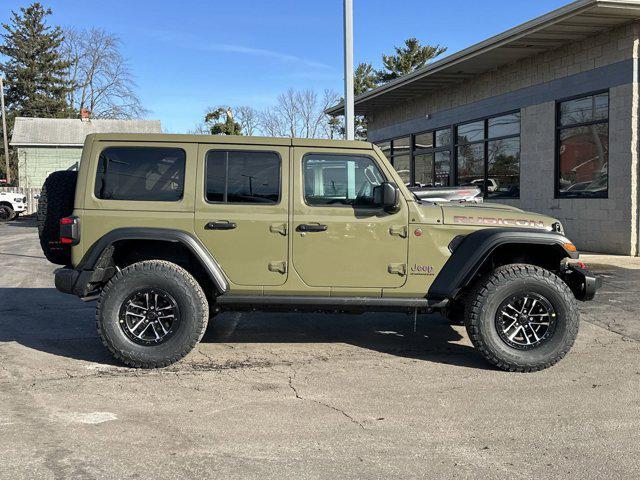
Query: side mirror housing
pixel 387 196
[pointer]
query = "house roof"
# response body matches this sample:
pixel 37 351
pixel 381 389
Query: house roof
pixel 570 23
pixel 29 131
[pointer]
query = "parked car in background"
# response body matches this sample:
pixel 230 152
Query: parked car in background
pixel 11 205
pixel 448 194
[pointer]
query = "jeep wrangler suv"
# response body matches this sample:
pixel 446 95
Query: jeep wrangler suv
pixel 168 230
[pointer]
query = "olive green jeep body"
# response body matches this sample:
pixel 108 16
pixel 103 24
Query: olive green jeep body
pixel 274 223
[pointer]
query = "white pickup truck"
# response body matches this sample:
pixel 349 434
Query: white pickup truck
pixel 11 205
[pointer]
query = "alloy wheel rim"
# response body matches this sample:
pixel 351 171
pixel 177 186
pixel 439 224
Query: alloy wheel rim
pixel 526 321
pixel 149 316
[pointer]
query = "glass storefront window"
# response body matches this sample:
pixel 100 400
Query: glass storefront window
pixel 583 147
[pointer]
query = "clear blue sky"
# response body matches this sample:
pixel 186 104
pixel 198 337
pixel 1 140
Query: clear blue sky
pixel 189 54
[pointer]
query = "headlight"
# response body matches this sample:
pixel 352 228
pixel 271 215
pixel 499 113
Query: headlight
pixel 558 228
pixel 17 200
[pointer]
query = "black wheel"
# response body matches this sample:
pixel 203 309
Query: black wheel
pixel 55 202
pixel 151 314
pixel 522 318
pixel 6 213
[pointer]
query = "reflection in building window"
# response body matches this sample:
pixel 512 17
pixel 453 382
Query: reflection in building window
pixel 583 147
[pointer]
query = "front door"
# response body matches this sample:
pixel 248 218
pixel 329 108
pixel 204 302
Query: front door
pixel 242 210
pixel 339 238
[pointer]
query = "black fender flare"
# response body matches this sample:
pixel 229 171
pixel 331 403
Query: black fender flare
pixel 211 266
pixel 470 252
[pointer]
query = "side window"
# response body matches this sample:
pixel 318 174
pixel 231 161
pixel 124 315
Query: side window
pixel 141 173
pixel 242 177
pixel 340 179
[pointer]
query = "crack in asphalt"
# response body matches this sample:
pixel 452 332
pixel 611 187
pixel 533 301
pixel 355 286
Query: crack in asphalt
pixel 336 409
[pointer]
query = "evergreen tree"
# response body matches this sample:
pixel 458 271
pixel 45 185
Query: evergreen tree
pixel 407 59
pixel 218 126
pixel 35 72
pixel 364 78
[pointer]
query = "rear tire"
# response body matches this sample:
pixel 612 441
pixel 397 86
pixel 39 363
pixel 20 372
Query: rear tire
pixel 534 339
pixel 179 293
pixel 56 202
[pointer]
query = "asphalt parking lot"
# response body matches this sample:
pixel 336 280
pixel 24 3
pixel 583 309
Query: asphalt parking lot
pixel 309 396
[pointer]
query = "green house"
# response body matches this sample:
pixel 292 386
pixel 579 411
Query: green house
pixel 45 145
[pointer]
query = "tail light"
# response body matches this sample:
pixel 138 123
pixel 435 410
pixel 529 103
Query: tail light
pixel 70 230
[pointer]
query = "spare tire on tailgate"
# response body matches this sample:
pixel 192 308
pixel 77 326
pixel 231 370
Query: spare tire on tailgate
pixel 56 202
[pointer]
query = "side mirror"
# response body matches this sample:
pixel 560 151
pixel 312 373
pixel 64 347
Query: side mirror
pixel 387 196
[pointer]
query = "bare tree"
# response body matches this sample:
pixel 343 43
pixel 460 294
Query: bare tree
pixel 249 119
pixel 299 114
pixel 101 79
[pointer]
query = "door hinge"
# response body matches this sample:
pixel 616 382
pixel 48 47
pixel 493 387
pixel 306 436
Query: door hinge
pixel 278 267
pixel 399 230
pixel 397 268
pixel 280 228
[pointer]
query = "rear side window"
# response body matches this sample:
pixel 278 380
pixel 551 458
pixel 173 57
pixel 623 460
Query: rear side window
pixel 242 177
pixel 141 173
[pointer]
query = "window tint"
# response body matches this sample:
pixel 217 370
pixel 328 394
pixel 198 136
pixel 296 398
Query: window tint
pixel 424 140
pixel 583 147
pixel 471 165
pixel 471 132
pixel 242 177
pixel 424 169
pixel 443 138
pixel 491 163
pixel 385 147
pixel 140 173
pixel 505 125
pixel 443 166
pixel 402 164
pixel 583 110
pixel 340 180
pixel 504 168
pixel 401 145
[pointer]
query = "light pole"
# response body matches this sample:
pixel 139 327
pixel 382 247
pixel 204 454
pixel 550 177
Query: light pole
pixel 4 131
pixel 348 70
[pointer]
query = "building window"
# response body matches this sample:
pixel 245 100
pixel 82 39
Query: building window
pixel 400 157
pixel 488 155
pixel 432 158
pixel 583 147
pixel 242 177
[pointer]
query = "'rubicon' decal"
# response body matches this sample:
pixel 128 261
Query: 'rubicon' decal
pixel 513 222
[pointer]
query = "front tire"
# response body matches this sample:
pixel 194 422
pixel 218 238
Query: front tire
pixel 6 213
pixel 522 318
pixel 151 314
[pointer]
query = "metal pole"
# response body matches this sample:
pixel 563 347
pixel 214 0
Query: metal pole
pixel 348 70
pixel 4 131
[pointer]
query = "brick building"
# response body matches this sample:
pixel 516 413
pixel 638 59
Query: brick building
pixel 544 116
pixel 45 145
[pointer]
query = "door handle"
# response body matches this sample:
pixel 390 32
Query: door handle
pixel 311 227
pixel 220 225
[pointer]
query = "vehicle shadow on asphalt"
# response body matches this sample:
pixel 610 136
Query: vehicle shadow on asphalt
pixel 29 221
pixel 45 320
pixel 435 340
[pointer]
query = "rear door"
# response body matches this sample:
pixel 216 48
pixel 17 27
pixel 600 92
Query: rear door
pixel 242 210
pixel 339 238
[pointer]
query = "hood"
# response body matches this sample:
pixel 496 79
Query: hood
pixel 494 215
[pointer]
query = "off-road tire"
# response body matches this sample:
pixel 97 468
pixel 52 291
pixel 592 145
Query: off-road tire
pixel 6 213
pixel 56 202
pixel 485 299
pixel 191 300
